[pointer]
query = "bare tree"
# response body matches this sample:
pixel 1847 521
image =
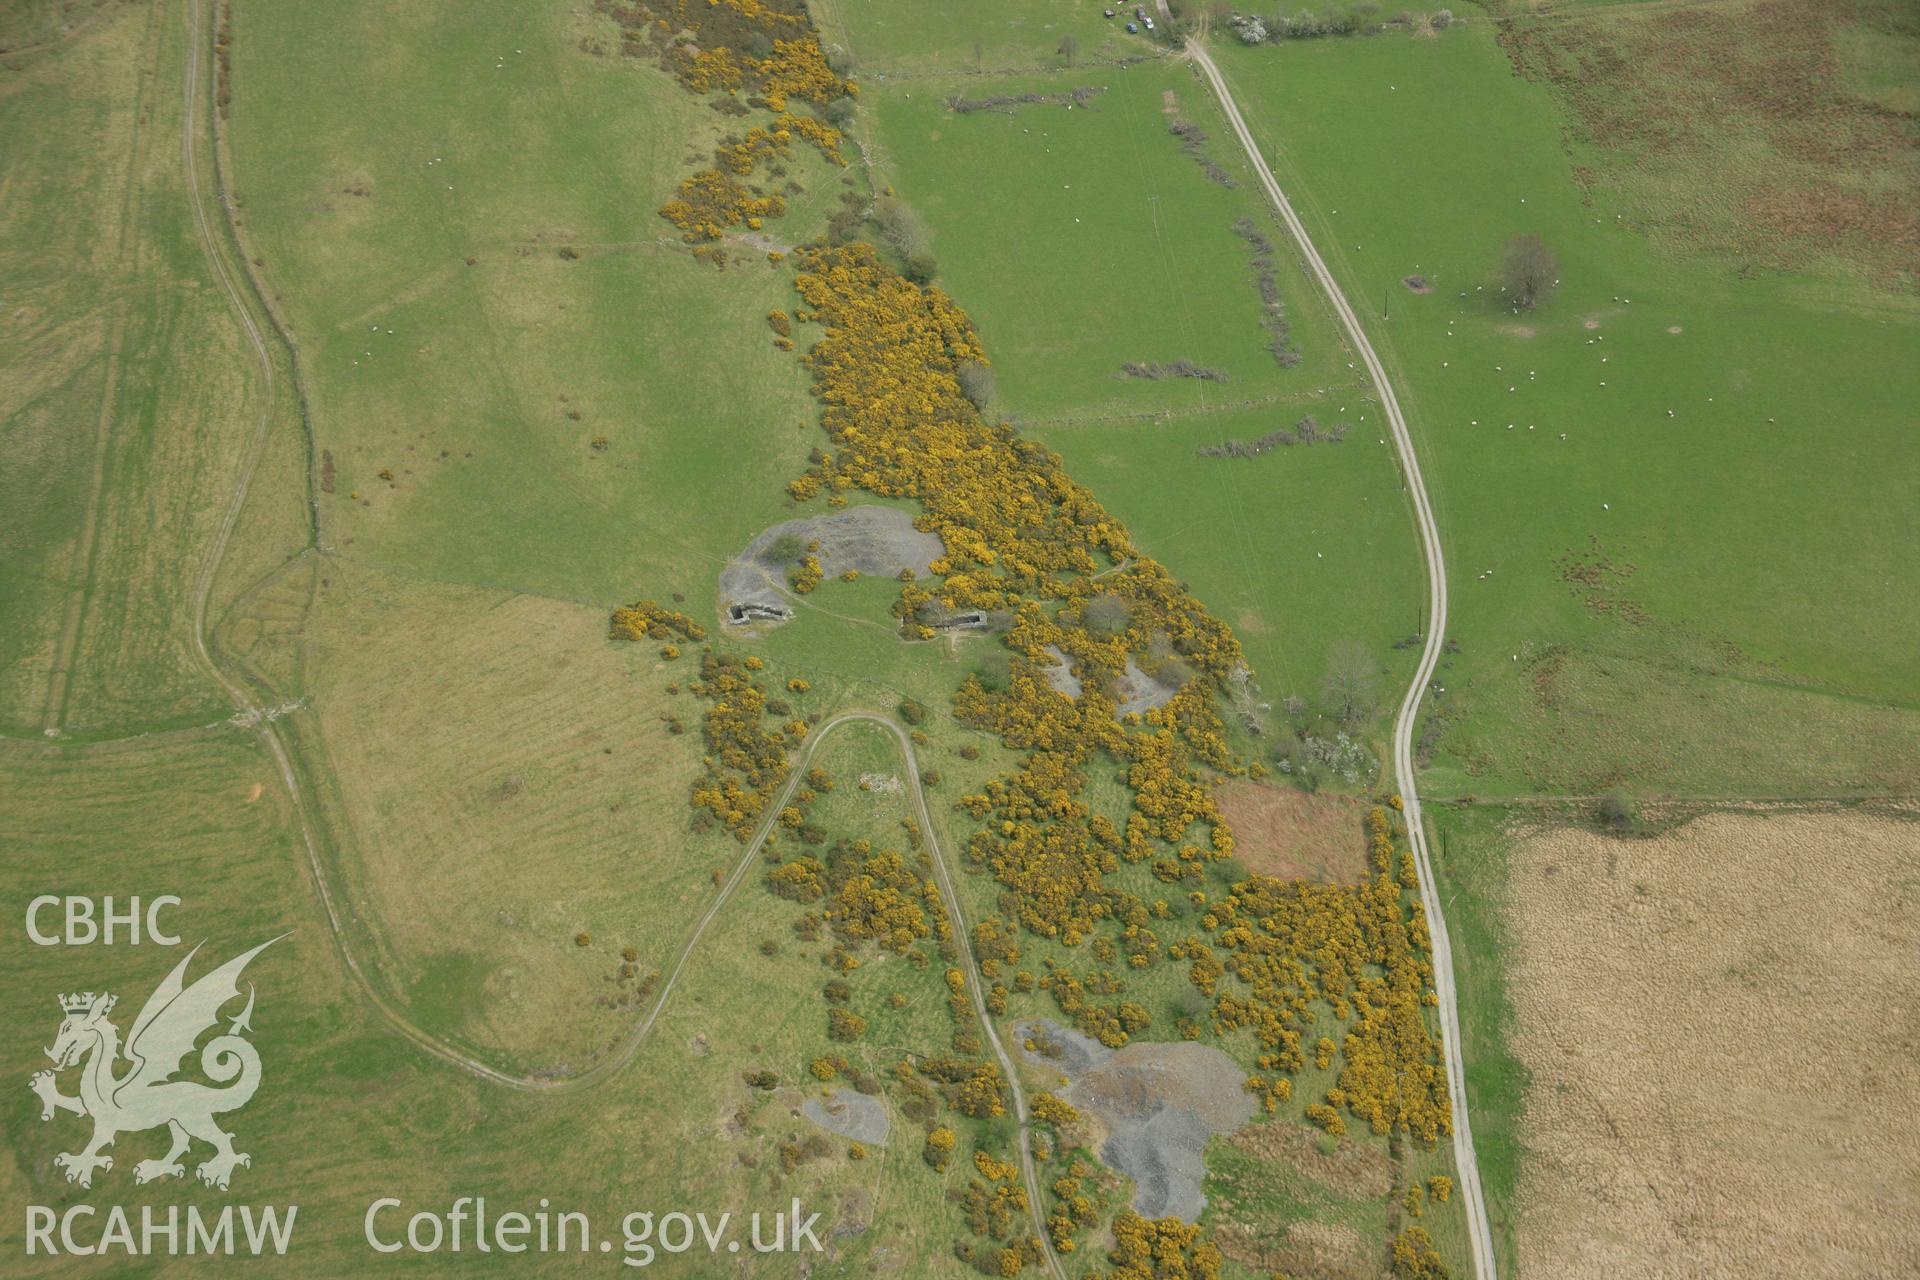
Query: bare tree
pixel 976 382
pixel 1106 615
pixel 1528 271
pixel 899 225
pixel 1351 687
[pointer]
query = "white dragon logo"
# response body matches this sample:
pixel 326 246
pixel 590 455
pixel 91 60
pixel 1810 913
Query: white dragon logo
pixel 146 1096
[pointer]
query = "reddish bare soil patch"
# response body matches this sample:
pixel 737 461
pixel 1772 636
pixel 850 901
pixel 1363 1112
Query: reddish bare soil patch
pixel 1735 127
pixel 1289 834
pixel 1722 1025
pixel 1321 1250
pixel 1356 1170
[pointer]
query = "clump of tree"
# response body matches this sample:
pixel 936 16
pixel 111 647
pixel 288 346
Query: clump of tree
pixel 806 575
pixel 786 549
pixel 746 761
pixel 1528 272
pixel 1193 141
pixel 1146 1249
pixel 1618 813
pixel 1106 616
pixel 976 381
pixel 1005 102
pixel 939 1148
pixel 1273 311
pixel 1350 688
pixel 1361 18
pixel 902 231
pixel 1306 431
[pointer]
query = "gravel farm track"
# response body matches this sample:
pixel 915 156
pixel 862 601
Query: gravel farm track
pixel 1467 1164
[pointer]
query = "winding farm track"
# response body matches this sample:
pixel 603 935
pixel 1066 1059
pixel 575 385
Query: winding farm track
pixel 957 921
pixel 1465 1160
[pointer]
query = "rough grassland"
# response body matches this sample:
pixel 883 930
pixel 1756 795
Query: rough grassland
pixel 1778 133
pixel 892 1198
pixel 1283 832
pixel 1766 1120
pixel 1725 574
pixel 127 396
pixel 522 795
pixel 347 1111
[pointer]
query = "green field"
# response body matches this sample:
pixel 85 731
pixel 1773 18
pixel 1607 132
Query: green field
pixel 989 38
pixel 1072 265
pixel 483 387
pixel 1747 634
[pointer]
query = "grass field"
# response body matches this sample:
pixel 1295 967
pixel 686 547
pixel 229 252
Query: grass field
pixel 1671 498
pixel 483 388
pixel 526 795
pixel 1473 850
pixel 918 38
pixel 129 397
pixel 1080 240
pixel 1706 602
pixel 560 433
